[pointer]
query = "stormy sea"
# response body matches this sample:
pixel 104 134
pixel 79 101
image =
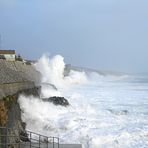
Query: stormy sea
pixel 105 110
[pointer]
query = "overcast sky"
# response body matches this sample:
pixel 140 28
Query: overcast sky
pixel 102 34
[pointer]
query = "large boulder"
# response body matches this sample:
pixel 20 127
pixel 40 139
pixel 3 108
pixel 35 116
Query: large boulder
pixel 57 101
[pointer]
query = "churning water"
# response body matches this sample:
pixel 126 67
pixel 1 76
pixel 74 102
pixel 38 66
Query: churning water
pixel 105 111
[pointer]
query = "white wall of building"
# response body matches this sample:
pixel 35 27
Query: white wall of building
pixel 9 57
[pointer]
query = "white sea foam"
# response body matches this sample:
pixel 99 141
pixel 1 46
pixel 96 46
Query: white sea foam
pixel 52 71
pixel 104 112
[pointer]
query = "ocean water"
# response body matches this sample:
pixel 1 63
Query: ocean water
pixel 105 111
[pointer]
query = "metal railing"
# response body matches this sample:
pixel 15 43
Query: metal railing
pixel 9 139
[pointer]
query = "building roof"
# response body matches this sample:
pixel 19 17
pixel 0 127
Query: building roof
pixel 7 51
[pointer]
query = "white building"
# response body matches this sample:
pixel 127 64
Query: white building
pixel 9 55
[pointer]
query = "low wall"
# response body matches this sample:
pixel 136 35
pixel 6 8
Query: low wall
pixel 12 88
pixel 17 71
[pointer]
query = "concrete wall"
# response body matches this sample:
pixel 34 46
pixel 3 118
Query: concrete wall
pixel 16 76
pixel 17 71
pixel 13 88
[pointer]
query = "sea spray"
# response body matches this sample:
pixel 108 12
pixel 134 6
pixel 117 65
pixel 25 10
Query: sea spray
pixel 52 71
pixel 48 91
pixel 94 117
pixel 40 116
pixel 51 120
pixel 44 117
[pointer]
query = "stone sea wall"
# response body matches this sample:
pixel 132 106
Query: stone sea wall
pixel 16 76
pixel 8 89
pixel 17 71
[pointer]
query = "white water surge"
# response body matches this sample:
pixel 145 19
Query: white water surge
pixel 53 72
pixel 105 112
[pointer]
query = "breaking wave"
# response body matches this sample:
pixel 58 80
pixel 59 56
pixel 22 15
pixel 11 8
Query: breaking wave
pixel 52 71
pixel 102 113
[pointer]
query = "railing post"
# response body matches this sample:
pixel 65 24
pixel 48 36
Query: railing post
pixel 47 142
pixel 3 136
pixel 58 142
pixel 6 137
pixel 30 139
pixel 19 141
pixel 39 141
pixel 53 142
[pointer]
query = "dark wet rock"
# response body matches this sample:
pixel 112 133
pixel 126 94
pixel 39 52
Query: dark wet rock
pixel 58 101
pixel 35 91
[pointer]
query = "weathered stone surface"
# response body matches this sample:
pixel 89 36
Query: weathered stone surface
pixel 10 115
pixel 16 71
pixel 3 113
pixel 35 91
pixel 16 76
pixel 58 101
pixel 14 88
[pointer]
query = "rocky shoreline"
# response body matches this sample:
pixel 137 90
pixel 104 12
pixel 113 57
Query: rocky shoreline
pixel 57 101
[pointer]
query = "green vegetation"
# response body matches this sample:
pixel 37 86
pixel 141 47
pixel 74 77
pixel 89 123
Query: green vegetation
pixel 8 101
